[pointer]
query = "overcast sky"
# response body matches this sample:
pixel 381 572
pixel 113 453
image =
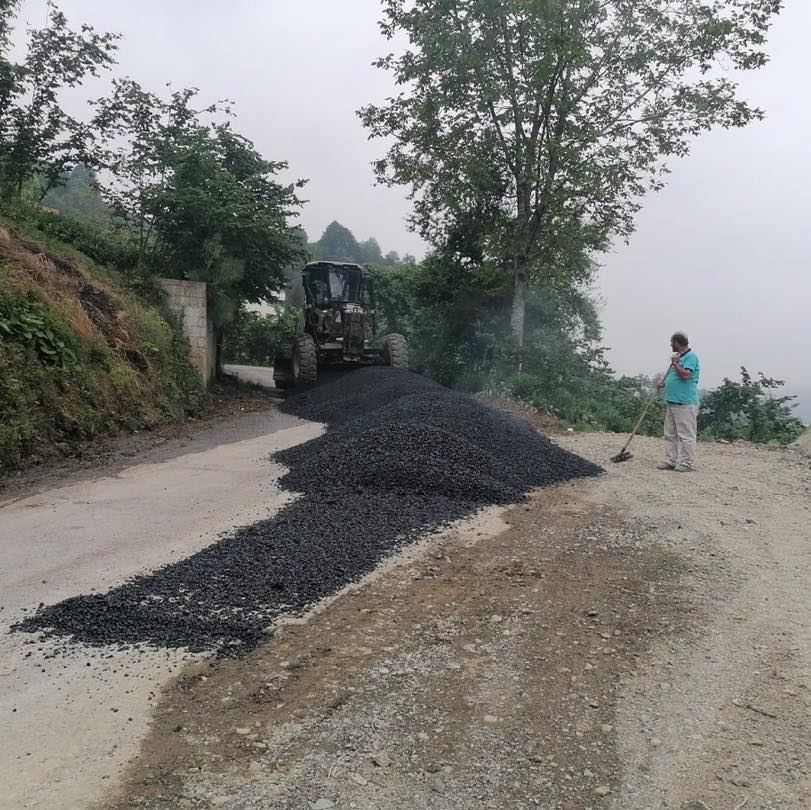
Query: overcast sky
pixel 722 253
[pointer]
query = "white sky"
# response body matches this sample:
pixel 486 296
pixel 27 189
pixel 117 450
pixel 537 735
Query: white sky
pixel 722 253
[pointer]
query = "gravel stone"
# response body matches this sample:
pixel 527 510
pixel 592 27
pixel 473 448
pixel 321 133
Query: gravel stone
pixel 401 456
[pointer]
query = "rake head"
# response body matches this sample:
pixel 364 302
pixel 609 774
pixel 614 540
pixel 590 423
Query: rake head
pixel 624 455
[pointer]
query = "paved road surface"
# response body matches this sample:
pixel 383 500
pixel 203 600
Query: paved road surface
pixel 259 375
pixel 69 724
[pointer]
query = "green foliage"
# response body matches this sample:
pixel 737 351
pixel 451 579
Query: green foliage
pixel 61 385
pixel 37 137
pixel 589 398
pixel 747 410
pixel 174 383
pixel 225 220
pixel 370 253
pixel 30 324
pixel 338 243
pixel 254 339
pixel 529 130
pixel 142 136
pixel 77 196
pixel 102 244
pixel 198 201
pixel 456 316
pixel 26 389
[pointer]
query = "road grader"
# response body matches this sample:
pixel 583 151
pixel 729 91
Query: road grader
pixel 337 325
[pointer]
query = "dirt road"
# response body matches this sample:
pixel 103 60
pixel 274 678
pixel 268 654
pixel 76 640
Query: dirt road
pixel 640 640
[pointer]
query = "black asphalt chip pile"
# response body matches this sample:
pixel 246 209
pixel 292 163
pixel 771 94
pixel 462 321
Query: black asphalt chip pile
pixel 412 432
pixel 401 456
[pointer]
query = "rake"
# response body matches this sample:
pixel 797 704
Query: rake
pixel 625 454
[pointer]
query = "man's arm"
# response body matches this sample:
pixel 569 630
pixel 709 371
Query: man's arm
pixel 684 373
pixel 661 384
pixel 680 369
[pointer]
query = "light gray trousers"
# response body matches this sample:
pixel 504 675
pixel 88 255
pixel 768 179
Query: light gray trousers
pixel 681 429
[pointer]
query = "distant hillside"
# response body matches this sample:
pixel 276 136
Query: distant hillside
pixel 79 198
pixel 338 243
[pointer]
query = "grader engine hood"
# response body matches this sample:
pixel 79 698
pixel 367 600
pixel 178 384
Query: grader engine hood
pixel 354 329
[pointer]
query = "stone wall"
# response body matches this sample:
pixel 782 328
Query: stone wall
pixel 188 300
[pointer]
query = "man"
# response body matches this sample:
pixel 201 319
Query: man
pixel 680 385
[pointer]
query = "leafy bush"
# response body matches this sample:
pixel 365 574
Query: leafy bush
pixel 254 339
pixel 30 324
pixel 746 410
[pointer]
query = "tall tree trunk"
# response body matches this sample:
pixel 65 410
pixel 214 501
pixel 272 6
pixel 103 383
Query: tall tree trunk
pixel 519 306
pixel 520 268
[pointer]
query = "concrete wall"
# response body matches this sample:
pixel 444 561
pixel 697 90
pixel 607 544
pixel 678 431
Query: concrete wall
pixel 188 300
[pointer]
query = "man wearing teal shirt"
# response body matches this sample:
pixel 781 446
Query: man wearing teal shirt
pixel 681 400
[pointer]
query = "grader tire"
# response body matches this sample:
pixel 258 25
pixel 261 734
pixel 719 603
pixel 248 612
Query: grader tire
pixel 395 351
pixel 305 360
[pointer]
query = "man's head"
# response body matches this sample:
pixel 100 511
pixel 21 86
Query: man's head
pixel 679 342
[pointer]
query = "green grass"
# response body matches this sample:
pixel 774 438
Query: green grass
pixel 64 380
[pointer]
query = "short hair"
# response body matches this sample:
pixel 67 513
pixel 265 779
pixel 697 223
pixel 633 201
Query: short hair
pixel 680 338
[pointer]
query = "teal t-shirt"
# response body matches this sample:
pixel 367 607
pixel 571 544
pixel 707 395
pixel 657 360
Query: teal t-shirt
pixel 683 392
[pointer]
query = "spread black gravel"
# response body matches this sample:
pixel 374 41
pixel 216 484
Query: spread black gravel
pixel 401 456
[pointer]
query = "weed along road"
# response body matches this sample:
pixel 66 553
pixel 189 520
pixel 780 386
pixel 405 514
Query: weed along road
pixel 72 718
pixel 454 612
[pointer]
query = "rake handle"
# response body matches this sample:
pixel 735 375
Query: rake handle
pixel 642 415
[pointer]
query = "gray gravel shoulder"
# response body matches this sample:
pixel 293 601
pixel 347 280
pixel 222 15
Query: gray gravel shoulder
pixel 720 714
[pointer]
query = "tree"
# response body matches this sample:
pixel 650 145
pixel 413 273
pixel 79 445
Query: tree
pixel 37 137
pixel 370 252
pixel 529 130
pixel 747 410
pixel 338 244
pixel 8 70
pixel 76 195
pixel 143 138
pixel 198 201
pixel 224 219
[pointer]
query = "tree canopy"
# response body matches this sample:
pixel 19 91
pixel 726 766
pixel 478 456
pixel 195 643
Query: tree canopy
pixel 76 195
pixel 37 137
pixel 339 244
pixel 196 197
pixel 529 130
